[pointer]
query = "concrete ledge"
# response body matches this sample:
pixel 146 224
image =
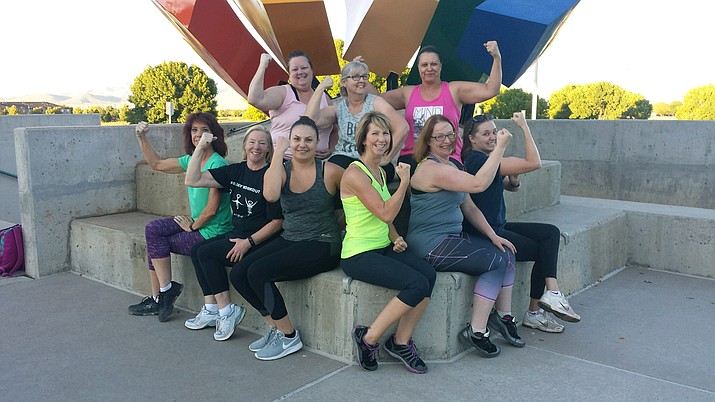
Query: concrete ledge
pixel 112 249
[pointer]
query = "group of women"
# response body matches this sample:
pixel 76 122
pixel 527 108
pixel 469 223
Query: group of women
pixel 286 197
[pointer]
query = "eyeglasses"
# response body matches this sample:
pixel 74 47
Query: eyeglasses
pixel 358 77
pixel 442 137
pixel 480 118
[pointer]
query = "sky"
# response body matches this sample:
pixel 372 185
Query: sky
pixel 657 48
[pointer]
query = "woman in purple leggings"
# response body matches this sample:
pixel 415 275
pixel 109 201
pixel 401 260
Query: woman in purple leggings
pixel 210 213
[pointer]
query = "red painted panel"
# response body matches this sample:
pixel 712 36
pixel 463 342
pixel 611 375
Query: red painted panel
pixel 219 37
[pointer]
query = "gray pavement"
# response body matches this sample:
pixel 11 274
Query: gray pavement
pixel 646 335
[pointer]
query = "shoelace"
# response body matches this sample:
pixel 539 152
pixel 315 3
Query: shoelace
pixel 374 350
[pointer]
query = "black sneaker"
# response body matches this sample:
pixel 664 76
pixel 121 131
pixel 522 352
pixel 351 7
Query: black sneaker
pixel 506 326
pixel 366 354
pixel 407 354
pixel 166 300
pixel 480 342
pixel 148 306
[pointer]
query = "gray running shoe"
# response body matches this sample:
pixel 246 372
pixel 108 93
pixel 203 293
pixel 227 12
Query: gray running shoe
pixel 506 326
pixel 262 341
pixel 480 341
pixel 280 346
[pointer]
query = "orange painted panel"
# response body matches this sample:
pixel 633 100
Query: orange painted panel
pixel 390 33
pixel 219 37
pixel 303 25
pixel 255 13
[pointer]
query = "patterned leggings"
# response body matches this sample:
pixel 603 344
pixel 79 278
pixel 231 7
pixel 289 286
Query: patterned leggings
pixel 476 256
pixel 164 236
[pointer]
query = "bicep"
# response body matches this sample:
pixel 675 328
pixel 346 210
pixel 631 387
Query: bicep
pixel 273 98
pixel 513 165
pixel 395 98
pixel 473 92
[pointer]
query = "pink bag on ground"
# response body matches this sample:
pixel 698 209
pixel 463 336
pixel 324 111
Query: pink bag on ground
pixel 12 253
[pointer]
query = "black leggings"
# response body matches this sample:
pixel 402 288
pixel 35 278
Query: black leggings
pixel 280 260
pixel 406 272
pixel 344 161
pixel 209 258
pixel 538 242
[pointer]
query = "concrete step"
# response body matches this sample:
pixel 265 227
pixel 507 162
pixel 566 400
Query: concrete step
pixel 111 249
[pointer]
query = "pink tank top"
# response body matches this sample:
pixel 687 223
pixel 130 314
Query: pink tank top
pixel 418 110
pixel 288 113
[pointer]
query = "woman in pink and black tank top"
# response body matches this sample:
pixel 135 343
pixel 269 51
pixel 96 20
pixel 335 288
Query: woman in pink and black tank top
pixel 286 103
pixel 434 96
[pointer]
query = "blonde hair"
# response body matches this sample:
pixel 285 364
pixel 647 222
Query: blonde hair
pixel 269 139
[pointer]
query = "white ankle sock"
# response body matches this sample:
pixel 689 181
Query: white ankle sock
pixel 165 288
pixel 503 313
pixel 225 311
pixel 212 308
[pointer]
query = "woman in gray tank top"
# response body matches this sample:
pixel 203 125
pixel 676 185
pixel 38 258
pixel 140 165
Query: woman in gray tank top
pixel 439 199
pixel 309 244
pixel 348 112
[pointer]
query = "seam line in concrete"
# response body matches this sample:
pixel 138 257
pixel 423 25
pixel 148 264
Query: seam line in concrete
pixel 681 274
pixel 624 370
pixel 314 382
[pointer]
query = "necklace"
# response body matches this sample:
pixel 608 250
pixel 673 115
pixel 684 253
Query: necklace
pixel 377 177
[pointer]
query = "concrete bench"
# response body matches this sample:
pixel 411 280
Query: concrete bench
pixel 111 249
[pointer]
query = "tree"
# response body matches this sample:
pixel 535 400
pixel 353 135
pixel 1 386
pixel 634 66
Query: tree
pixel 12 110
pixel 513 100
pixel 253 114
pixel 698 104
pixel 188 87
pixel 600 100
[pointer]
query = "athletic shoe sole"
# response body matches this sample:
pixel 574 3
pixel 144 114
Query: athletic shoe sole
pixel 541 328
pixel 557 313
pixel 197 327
pixel 143 314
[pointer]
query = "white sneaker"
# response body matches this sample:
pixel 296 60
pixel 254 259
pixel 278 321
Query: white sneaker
pixel 202 320
pixel 280 346
pixel 542 321
pixel 228 323
pixel 558 305
pixel 262 341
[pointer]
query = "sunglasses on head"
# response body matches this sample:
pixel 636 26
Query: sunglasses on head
pixel 480 118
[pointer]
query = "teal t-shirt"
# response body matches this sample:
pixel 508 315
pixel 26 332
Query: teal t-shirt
pixel 199 197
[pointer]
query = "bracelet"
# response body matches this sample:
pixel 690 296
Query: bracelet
pixel 191 227
pixel 250 240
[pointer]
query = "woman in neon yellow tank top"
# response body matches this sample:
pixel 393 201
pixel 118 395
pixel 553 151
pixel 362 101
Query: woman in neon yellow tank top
pixel 373 251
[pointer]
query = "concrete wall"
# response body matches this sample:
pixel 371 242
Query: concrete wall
pixel 9 199
pixel 662 162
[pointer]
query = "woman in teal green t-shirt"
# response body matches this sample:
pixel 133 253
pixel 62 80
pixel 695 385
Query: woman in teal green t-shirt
pixel 210 213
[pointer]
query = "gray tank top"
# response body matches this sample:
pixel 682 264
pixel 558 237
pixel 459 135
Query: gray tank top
pixel 309 215
pixel 433 217
pixel 347 125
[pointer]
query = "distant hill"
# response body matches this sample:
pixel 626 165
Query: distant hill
pixel 79 100
pixel 227 98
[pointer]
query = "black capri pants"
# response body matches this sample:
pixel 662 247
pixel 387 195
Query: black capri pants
pixel 406 272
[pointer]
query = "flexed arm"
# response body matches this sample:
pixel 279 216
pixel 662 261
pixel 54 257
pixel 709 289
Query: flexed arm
pixel 275 176
pixel 194 176
pixel 168 165
pixel 475 92
pixel 513 166
pixel 268 99
pixel 327 116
